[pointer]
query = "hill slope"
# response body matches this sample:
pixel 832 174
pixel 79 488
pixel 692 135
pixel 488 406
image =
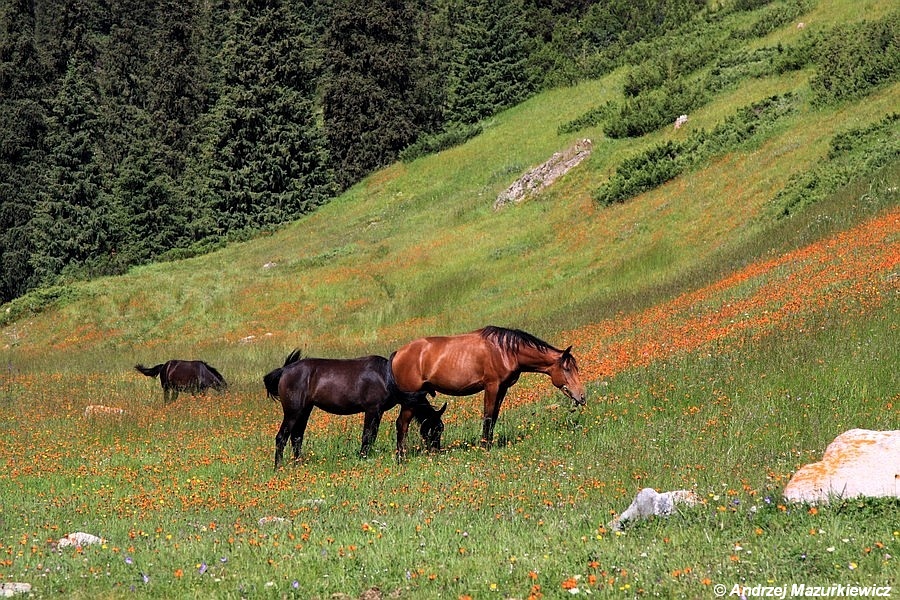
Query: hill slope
pixel 723 347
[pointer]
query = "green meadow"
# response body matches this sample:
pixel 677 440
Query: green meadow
pixel 729 322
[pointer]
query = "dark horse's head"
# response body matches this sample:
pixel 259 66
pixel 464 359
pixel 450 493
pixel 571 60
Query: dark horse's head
pixel 430 424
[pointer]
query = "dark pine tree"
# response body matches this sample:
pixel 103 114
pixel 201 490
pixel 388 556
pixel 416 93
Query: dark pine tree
pixel 70 229
pixel 24 79
pixel 373 92
pixel 488 64
pixel 154 85
pixel 262 159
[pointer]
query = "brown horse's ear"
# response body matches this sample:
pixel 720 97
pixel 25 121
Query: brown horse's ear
pixel 443 408
pixel 567 351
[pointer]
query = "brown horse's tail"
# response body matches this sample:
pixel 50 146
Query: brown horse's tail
pixel 272 378
pixel 150 371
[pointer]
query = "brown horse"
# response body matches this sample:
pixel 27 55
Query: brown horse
pixel 489 359
pixel 192 376
pixel 346 387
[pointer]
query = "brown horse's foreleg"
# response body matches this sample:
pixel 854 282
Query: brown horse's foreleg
pixel 492 401
pixel 370 431
pixel 403 419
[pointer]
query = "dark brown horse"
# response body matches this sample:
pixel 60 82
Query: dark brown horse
pixel 346 387
pixel 192 376
pixel 489 359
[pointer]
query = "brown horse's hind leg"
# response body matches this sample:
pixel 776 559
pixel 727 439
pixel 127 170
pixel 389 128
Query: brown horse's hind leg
pixel 403 419
pixel 370 432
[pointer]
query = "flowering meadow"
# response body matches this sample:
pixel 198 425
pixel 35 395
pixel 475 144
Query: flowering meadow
pixel 725 390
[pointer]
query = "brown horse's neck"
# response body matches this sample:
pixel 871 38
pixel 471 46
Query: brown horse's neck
pixel 532 360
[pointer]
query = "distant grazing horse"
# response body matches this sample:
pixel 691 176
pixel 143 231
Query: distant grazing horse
pixel 192 376
pixel 489 359
pixel 346 387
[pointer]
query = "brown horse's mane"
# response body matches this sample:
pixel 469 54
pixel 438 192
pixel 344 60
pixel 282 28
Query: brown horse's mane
pixel 510 339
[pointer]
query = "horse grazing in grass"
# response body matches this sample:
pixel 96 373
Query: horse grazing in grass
pixel 490 360
pixel 194 376
pixel 346 387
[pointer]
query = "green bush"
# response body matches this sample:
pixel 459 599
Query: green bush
pixel 37 301
pixel 666 161
pixel 853 60
pixel 657 88
pixel 430 144
pixel 644 172
pixel 773 17
pixel 652 110
pixel 592 118
pixel 853 155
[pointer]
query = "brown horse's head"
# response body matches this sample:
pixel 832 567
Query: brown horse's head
pixel 564 375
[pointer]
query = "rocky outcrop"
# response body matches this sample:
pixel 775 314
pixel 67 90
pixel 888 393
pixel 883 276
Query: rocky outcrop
pixel 541 177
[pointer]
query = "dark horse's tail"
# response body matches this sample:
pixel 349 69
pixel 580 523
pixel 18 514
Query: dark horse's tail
pixel 392 383
pixel 150 371
pixel 393 388
pixel 272 378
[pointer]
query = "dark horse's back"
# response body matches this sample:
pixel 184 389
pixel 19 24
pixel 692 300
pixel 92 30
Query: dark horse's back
pixel 336 382
pixel 373 368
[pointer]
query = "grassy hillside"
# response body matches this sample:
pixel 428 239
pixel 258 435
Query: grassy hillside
pixel 723 348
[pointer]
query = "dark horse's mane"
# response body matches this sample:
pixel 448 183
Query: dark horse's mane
pixel 510 339
pixel 213 370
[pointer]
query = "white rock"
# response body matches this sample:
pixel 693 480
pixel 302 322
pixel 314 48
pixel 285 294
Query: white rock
pixel 859 462
pixel 545 175
pixel 79 538
pixel 273 521
pixel 95 410
pixel 649 502
pixel 11 588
